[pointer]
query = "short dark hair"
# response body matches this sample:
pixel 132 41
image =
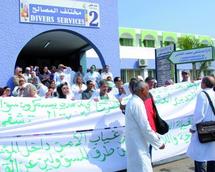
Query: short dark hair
pixel 117 78
pixel 102 82
pixel 185 72
pixel 149 78
pixel 6 87
pixel 1 91
pixel 132 84
pixel 208 81
pixel 89 81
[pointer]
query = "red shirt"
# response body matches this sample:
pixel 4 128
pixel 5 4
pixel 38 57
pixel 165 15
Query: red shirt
pixel 151 114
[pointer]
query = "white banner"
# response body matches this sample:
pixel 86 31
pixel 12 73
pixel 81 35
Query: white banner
pixel 61 135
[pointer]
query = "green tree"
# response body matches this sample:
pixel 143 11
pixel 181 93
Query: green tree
pixel 189 42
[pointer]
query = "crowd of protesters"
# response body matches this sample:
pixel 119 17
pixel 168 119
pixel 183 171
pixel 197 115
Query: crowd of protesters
pixel 63 82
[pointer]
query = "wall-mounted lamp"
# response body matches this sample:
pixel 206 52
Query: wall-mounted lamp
pixel 47 44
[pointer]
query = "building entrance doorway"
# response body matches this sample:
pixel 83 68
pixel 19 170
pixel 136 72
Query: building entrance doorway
pixel 56 47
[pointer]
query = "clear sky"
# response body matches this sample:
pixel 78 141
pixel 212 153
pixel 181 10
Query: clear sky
pixel 184 16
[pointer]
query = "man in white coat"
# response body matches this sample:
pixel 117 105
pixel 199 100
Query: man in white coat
pixel 203 153
pixel 138 132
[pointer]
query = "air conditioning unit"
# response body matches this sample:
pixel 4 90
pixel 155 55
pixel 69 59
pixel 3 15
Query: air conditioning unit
pixel 142 62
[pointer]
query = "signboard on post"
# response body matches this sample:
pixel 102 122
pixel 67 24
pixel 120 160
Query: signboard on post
pixel 193 55
pixel 163 65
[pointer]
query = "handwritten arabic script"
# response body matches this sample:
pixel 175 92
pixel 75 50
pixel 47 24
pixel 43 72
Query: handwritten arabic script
pixel 43 153
pixel 16 111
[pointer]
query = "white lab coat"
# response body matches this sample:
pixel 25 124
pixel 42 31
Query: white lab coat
pixel 203 112
pixel 104 75
pixel 139 136
pixel 95 77
pixel 77 91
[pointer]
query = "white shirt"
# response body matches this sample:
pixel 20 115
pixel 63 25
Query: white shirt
pixel 104 75
pixel 17 92
pixel 57 77
pixel 95 77
pixel 27 76
pixel 203 112
pixel 77 91
pixel 139 136
pixel 69 75
pixel 115 91
pixel 42 90
pixel 62 81
pixel 96 95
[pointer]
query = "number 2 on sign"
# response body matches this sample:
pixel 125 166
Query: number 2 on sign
pixel 94 18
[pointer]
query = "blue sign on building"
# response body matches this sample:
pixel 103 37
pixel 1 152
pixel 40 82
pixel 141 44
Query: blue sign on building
pixel 62 12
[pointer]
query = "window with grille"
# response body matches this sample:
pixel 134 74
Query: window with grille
pixel 149 43
pixel 126 41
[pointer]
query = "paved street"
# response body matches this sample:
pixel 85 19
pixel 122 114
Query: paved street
pixel 183 165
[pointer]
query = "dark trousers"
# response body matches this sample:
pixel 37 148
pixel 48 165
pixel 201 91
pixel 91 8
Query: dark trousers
pixel 207 166
pixel 150 151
